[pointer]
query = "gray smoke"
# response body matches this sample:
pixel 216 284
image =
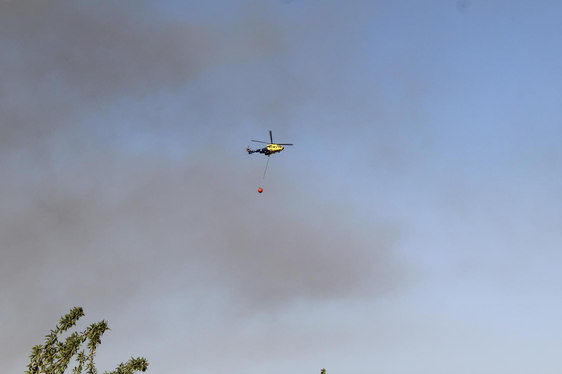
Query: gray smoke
pixel 89 217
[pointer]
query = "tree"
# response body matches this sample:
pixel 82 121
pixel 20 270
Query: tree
pixel 54 356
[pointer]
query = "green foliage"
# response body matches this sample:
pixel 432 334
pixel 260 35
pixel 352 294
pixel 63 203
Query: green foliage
pixel 54 356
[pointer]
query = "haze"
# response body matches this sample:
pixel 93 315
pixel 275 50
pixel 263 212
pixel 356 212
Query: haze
pixel 415 227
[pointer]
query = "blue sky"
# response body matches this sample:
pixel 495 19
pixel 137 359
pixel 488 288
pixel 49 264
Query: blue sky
pixel 415 227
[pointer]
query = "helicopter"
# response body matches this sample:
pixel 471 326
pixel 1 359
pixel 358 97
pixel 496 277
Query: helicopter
pixel 269 149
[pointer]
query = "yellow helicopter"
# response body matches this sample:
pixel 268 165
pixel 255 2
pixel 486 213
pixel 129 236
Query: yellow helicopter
pixel 269 149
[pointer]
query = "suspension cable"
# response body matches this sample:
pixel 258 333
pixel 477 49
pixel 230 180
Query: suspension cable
pixel 266 167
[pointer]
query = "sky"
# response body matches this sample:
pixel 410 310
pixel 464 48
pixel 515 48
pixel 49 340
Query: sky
pixel 415 227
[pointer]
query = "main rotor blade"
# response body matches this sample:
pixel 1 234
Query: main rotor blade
pixel 259 141
pixel 284 143
pixel 271 136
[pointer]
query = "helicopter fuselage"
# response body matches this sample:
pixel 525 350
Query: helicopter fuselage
pixel 268 149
